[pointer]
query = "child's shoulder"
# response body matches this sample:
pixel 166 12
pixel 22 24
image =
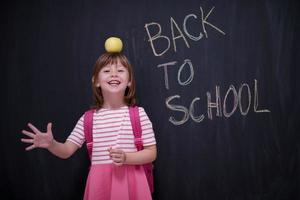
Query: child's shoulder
pixel 142 110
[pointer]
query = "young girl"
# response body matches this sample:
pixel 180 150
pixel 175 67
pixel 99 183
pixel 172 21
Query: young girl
pixel 115 171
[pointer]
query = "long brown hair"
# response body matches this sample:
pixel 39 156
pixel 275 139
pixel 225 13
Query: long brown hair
pixel 102 61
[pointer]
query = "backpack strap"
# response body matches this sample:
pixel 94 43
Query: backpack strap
pixel 88 129
pixel 137 131
pixel 136 127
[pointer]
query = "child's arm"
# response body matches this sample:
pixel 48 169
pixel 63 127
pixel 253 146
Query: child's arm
pixel 147 155
pixel 46 140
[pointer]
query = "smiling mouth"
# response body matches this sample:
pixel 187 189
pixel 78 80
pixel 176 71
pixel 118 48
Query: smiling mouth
pixel 114 83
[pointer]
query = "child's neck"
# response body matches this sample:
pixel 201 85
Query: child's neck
pixel 113 102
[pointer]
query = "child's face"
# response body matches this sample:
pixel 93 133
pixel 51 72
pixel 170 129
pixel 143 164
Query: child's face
pixel 113 79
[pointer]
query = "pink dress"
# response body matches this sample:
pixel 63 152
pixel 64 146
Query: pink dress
pixel 106 181
pixel 110 182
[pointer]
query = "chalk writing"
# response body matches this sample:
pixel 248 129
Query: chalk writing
pixel 156 37
pixel 194 38
pixel 166 75
pixel 189 80
pixel 218 105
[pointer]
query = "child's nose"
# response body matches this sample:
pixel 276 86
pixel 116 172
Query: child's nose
pixel 113 72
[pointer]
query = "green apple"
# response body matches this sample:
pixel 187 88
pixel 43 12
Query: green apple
pixel 113 45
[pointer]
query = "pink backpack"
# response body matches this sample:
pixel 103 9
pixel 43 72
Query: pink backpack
pixel 137 131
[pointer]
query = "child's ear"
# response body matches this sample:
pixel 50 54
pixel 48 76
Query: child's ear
pixel 93 81
pixel 129 84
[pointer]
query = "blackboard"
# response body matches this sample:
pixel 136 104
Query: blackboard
pixel 218 79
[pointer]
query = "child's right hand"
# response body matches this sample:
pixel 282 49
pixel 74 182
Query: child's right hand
pixel 38 139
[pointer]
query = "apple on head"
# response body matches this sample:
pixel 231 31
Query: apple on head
pixel 113 45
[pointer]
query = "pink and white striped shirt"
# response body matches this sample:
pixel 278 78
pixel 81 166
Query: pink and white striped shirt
pixel 112 128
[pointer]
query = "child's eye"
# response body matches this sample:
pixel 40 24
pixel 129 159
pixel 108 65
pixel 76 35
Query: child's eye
pixel 121 70
pixel 106 71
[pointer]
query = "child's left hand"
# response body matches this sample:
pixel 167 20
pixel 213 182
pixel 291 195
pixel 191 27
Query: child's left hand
pixel 117 155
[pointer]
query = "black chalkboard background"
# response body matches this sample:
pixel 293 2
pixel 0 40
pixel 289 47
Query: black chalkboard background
pixel 248 55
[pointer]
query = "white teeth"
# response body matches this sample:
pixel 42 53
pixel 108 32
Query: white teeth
pixel 114 82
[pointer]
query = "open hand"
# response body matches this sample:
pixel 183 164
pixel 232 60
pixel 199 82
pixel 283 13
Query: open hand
pixel 117 155
pixel 38 138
